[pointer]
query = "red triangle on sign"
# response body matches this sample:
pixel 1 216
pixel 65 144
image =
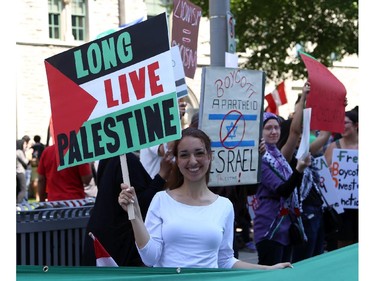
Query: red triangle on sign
pixel 71 106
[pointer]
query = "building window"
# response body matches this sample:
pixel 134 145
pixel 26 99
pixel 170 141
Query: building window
pixel 54 18
pixel 67 19
pixel 79 19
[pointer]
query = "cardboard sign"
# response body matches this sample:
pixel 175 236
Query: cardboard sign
pixel 179 74
pixel 344 170
pixel 304 145
pixel 114 95
pixel 230 110
pixel 326 185
pixel 326 97
pixel 185 27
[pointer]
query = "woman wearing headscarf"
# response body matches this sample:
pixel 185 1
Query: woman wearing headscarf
pixel 277 199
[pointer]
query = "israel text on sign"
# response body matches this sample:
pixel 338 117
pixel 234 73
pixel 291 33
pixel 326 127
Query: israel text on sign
pixel 230 110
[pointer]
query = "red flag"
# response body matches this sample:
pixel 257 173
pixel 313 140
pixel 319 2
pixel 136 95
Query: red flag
pixel 272 107
pixel 276 98
pixel 102 256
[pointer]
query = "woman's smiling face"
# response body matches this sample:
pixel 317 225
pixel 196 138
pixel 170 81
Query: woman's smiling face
pixel 193 160
pixel 271 131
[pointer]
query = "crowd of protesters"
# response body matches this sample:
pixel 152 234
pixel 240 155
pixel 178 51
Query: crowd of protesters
pixel 288 191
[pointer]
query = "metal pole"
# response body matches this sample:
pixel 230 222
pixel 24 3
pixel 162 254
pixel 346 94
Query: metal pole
pixel 218 30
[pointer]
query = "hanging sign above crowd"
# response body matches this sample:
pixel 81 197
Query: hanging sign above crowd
pixel 114 95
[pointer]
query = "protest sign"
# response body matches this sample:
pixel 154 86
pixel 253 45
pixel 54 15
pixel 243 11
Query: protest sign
pixel 326 184
pixel 326 97
pixel 179 74
pixel 304 146
pixel 114 95
pixel 230 113
pixel 185 26
pixel 344 172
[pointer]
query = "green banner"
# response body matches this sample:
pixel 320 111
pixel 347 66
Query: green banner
pixel 340 265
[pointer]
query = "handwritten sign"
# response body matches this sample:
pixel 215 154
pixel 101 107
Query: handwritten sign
pixel 344 172
pixel 327 186
pixel 114 95
pixel 185 27
pixel 326 97
pixel 231 104
pixel 179 74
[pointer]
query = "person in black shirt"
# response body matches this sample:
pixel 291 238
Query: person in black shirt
pixel 108 221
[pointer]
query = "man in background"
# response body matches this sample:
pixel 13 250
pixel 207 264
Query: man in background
pixel 67 184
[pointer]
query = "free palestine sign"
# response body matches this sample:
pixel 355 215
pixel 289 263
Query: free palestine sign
pixel 114 95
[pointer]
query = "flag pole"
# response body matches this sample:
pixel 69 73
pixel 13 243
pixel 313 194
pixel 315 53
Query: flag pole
pixel 125 178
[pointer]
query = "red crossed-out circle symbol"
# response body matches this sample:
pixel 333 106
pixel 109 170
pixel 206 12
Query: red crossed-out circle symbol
pixel 235 117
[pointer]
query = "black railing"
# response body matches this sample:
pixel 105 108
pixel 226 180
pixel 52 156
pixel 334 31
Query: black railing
pixel 52 233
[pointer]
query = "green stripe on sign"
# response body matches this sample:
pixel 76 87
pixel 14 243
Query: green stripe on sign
pixel 146 124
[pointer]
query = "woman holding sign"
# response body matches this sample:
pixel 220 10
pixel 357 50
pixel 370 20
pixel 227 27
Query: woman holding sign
pixel 349 141
pixel 187 225
pixel 276 197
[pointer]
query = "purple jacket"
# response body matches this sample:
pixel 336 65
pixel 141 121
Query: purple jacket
pixel 269 203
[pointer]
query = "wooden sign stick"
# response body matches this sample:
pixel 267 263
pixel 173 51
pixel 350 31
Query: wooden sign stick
pixel 125 178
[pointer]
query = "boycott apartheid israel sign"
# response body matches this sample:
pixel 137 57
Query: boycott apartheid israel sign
pixel 114 95
pixel 230 113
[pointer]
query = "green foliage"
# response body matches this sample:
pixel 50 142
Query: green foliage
pixel 271 31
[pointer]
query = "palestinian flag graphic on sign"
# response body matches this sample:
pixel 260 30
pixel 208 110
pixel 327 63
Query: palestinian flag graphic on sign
pixel 114 95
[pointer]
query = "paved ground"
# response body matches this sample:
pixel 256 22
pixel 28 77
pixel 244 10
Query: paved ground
pixel 248 256
pixel 245 254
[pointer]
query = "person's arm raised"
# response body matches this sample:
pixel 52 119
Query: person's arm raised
pixel 317 145
pixel 296 126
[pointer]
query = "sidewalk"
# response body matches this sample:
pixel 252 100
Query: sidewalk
pixel 248 256
pixel 245 254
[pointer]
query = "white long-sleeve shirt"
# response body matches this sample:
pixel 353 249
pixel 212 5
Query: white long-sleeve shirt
pixel 150 159
pixel 189 236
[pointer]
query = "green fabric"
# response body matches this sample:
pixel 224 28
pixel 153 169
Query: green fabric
pixel 341 264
